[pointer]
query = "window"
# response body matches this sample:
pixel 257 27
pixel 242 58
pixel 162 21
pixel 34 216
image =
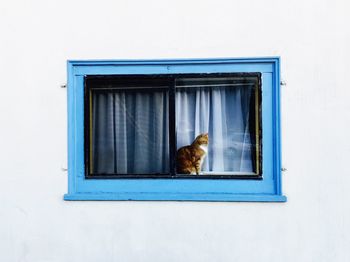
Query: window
pixel 133 125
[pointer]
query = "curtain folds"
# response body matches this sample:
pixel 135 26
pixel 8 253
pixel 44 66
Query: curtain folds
pixel 130 133
pixel 130 129
pixel 224 114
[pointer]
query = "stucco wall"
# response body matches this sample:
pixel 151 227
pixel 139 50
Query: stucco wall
pixel 37 37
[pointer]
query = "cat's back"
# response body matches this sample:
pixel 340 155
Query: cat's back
pixel 184 164
pixel 184 151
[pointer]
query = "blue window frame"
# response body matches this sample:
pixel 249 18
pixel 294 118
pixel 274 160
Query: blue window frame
pixel 266 189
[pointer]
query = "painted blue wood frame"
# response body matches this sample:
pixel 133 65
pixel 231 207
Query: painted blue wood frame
pixel 269 189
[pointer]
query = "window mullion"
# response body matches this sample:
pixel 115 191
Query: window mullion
pixel 172 127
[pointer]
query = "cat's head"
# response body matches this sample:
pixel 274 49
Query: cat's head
pixel 202 139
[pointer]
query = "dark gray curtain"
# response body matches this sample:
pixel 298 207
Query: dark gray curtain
pixel 130 132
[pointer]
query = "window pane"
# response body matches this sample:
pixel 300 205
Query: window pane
pixel 130 131
pixel 226 109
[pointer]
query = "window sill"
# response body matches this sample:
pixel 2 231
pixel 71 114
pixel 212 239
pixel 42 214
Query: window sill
pixel 177 197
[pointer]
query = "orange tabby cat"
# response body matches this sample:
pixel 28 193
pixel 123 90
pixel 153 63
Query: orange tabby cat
pixel 189 159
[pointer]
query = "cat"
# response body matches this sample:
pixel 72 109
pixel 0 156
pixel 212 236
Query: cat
pixel 189 159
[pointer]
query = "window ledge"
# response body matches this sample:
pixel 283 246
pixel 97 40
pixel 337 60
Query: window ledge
pixel 177 197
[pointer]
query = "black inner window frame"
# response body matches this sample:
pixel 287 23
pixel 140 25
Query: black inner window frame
pixel 96 81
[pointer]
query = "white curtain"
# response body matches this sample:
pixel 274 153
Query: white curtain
pixel 223 112
pixel 130 133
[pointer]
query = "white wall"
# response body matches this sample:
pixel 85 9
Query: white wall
pixel 313 39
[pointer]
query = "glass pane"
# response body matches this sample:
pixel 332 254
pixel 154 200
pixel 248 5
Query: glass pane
pixel 227 110
pixel 129 131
